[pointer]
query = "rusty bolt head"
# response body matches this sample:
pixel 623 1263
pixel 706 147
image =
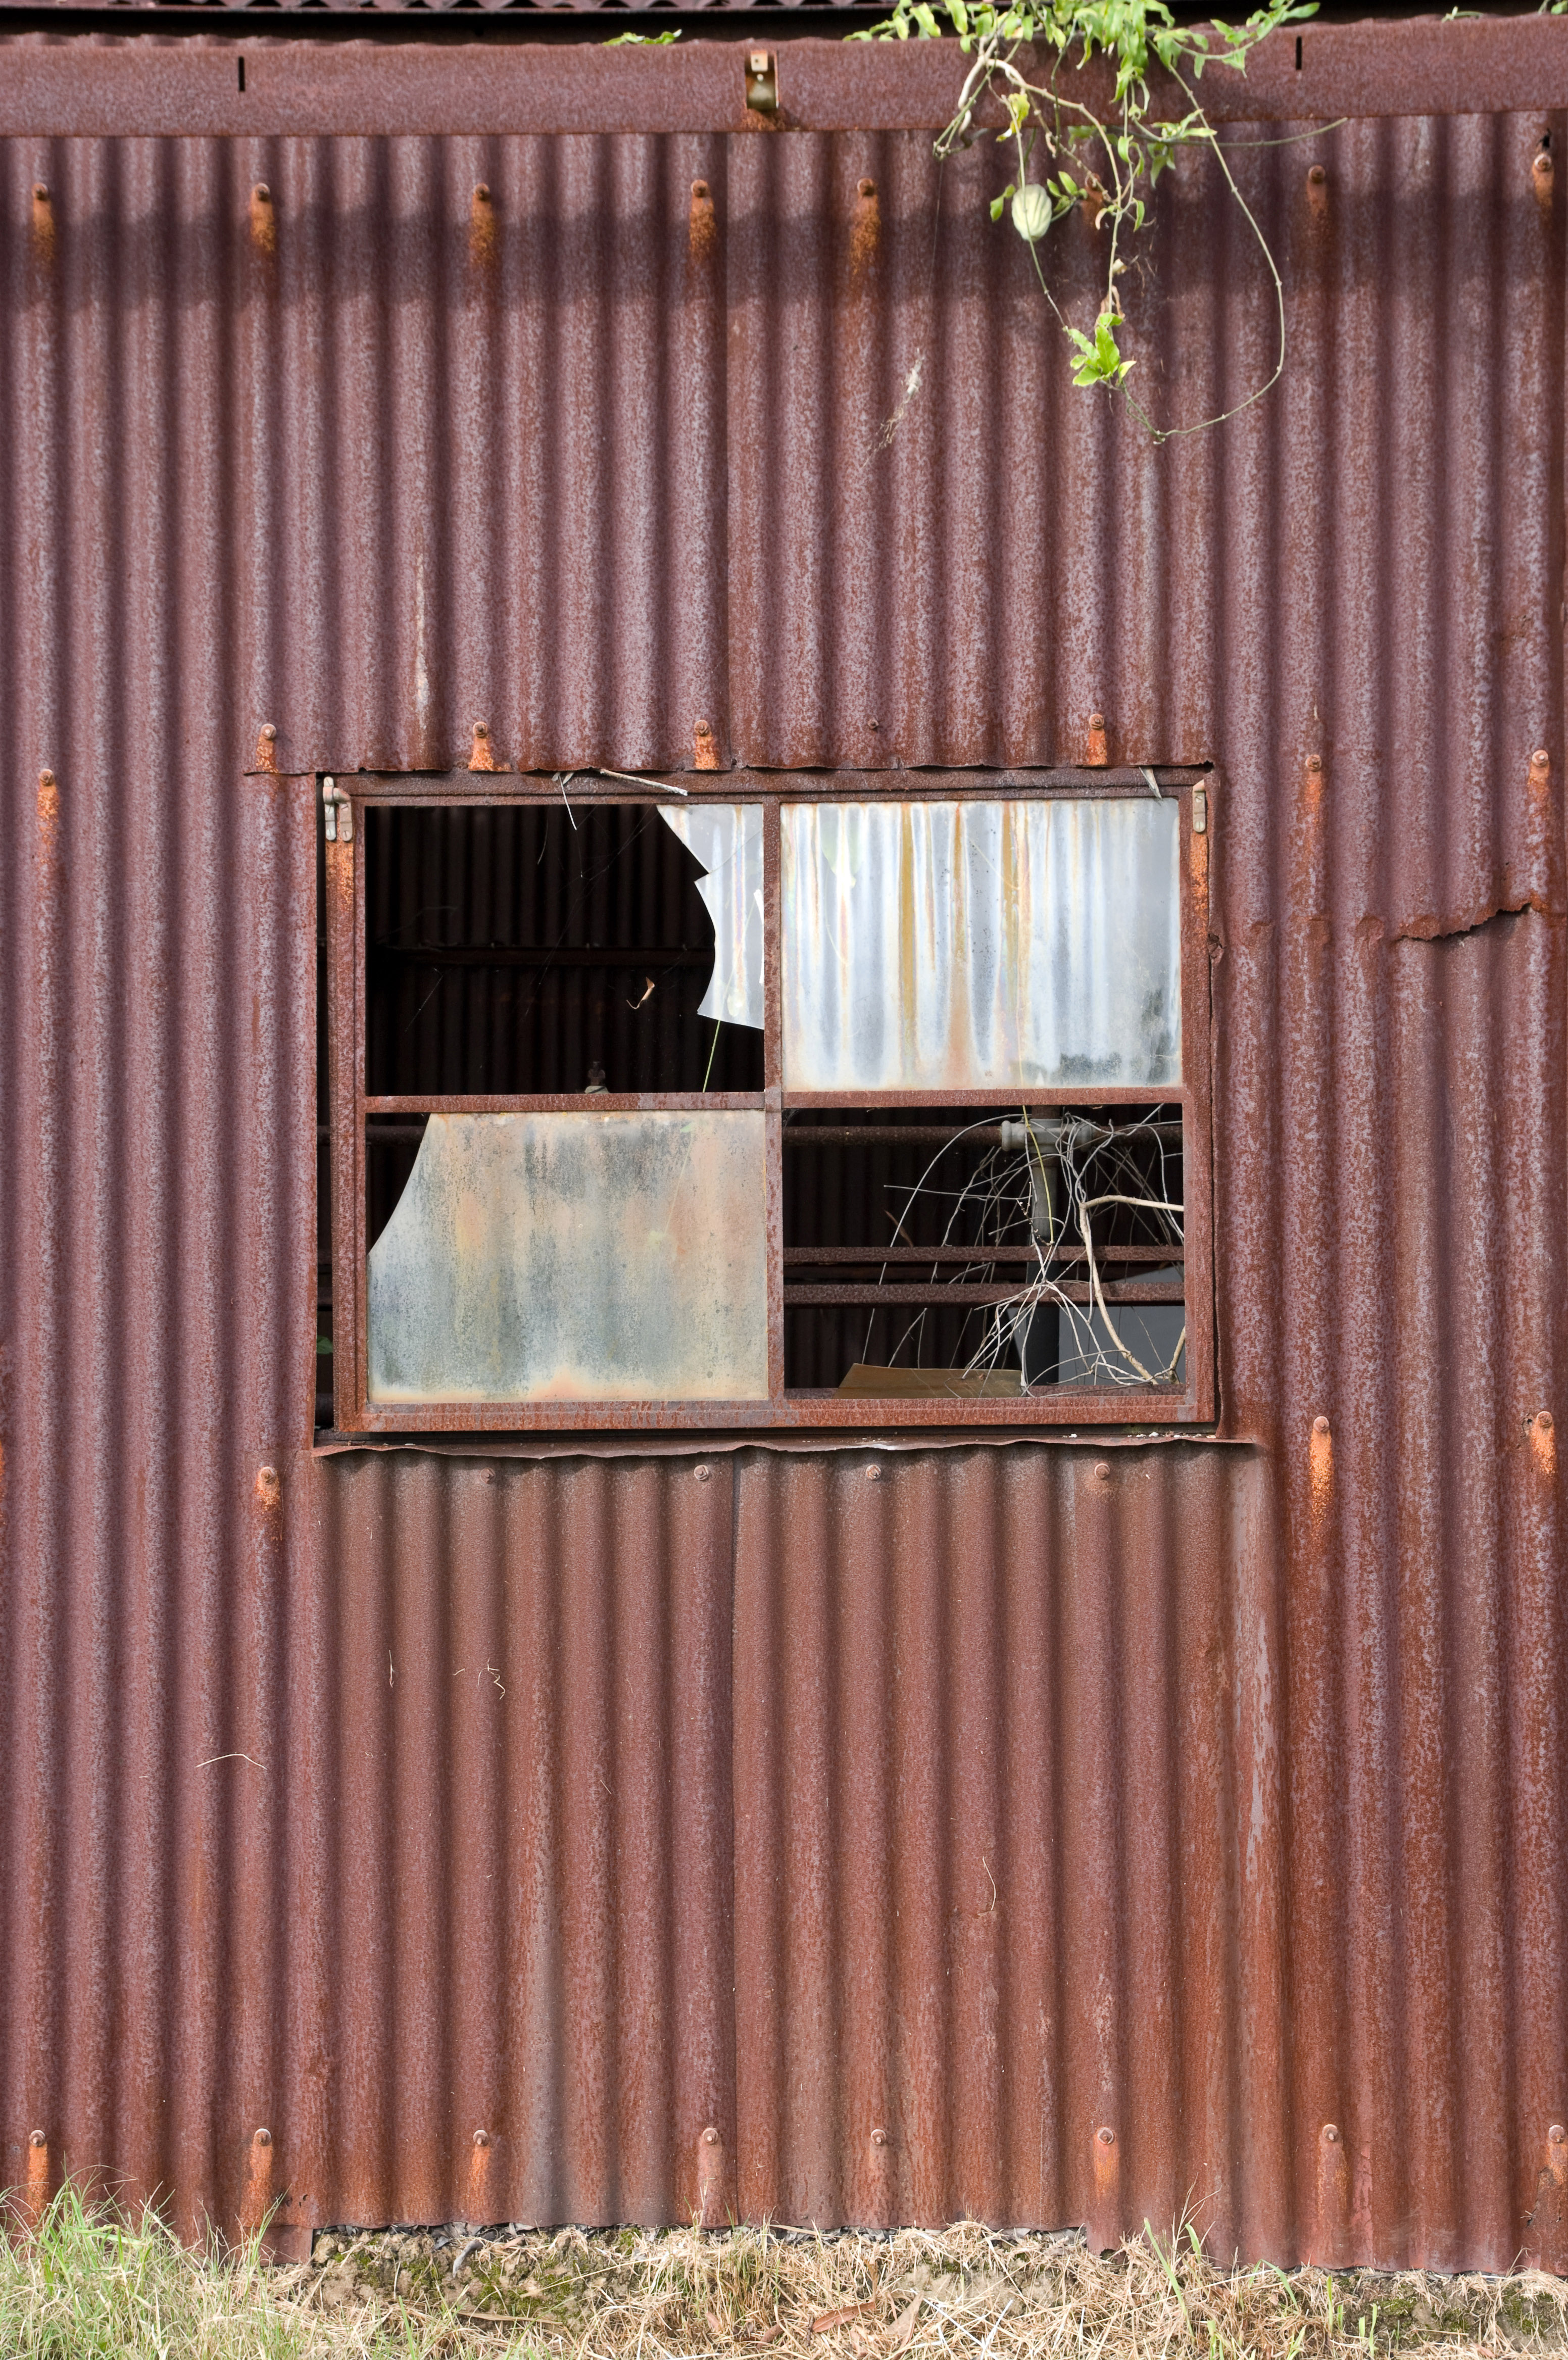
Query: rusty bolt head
pixel 36 2138
pixel 263 2138
pixel 879 2137
pixel 1320 1425
pixel 1330 2133
pixel 1543 1419
pixel 1541 760
pixel 481 192
pixel 874 1474
pixel 481 2138
pixel 40 192
pixel 868 188
pixel 1314 761
pixel 46 778
pixel 702 1474
pixel 1542 167
pixel 703 730
pixel 699 190
pixel 1097 721
pixel 1105 2135
pixel 1102 1470
pixel 269 731
pixel 481 728
pixel 1317 175
pixel 710 2138
pixel 261 193
pixel 1556 2136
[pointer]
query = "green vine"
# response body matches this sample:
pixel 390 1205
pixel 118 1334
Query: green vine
pixel 1107 165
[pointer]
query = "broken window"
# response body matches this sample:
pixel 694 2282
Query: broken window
pixel 778 1106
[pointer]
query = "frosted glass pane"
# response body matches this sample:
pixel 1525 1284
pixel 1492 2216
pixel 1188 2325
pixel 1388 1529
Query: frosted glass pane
pixel 576 1257
pixel 727 841
pixel 932 947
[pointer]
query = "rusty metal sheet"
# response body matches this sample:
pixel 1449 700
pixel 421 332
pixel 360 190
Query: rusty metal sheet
pixel 98 86
pixel 1217 1802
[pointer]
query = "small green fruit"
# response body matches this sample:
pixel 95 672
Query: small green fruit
pixel 1031 211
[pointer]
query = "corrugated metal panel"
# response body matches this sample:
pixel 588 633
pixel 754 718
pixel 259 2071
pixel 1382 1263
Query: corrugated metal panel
pixel 1211 1801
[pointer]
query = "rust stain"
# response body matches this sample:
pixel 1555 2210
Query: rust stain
pixel 1546 2223
pixel 43 225
pixel 1104 2223
pixel 484 237
pixel 866 238
pixel 1540 777
pixel 269 1488
pixel 1331 2245
pixel 704 748
pixel 1312 788
pixel 482 753
pixel 48 817
pixel 266 748
pixel 711 2175
pixel 1318 192
pixel 1541 176
pixel 1542 1431
pixel 702 224
pixel 1321 1477
pixel 263 222
pixel 37 2190
pixel 256 2200
pixel 1095 755
pixel 477 2200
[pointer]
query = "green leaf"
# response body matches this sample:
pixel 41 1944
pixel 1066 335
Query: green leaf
pixel 642 40
pixel 1099 361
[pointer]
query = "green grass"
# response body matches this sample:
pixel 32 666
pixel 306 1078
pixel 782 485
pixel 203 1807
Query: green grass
pixel 95 2281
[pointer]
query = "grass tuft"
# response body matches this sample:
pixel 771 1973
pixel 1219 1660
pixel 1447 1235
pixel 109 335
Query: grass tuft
pixel 95 2281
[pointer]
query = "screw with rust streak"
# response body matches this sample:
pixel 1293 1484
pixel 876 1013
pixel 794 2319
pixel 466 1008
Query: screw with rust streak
pixel 1541 173
pixel 263 2138
pixel 1106 2136
pixel 705 747
pixel 1096 756
pixel 38 2138
pixel 1556 2136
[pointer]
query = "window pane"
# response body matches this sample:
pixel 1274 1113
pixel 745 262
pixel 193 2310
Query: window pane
pixel 576 1257
pixel 971 946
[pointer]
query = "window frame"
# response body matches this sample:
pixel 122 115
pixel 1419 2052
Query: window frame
pixel 349 1106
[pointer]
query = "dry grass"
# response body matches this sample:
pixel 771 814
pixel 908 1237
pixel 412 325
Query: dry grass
pixel 91 2284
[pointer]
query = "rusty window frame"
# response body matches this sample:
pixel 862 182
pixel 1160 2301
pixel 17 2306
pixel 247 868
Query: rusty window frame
pixel 349 1107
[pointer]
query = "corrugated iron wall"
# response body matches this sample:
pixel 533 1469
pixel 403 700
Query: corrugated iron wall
pixel 911 1820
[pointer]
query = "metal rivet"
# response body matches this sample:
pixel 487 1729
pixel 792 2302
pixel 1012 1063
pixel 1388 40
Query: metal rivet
pixel 269 731
pixel 1314 761
pixel 702 1474
pixel 874 1474
pixel 879 2137
pixel 481 2138
pixel 1106 2136
pixel 1330 2132
pixel 1320 1425
pixel 1557 2135
pixel 703 730
pixel 1317 175
pixel 263 2138
pixel 710 2137
pixel 1097 721
pixel 482 192
pixel 40 192
pixel 262 193
pixel 1543 1419
pixel 699 190
pixel 1102 1470
pixel 868 188
pixel 1541 758
pixel 36 2138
